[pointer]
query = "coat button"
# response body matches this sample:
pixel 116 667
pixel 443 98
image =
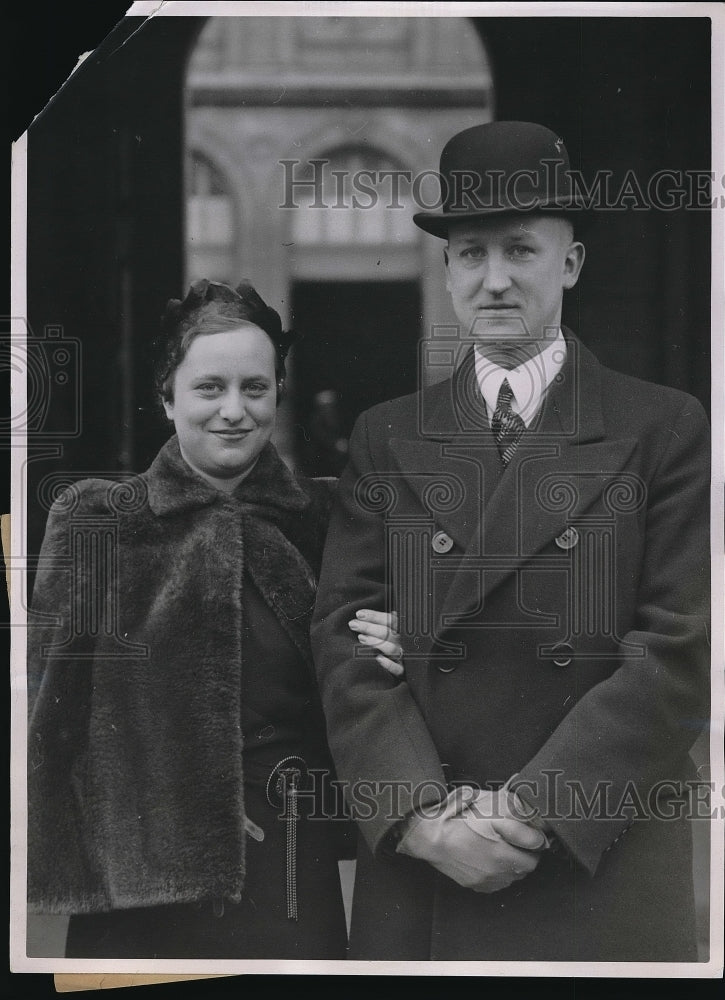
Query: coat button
pixel 266 733
pixel 441 542
pixel 567 539
pixel 564 653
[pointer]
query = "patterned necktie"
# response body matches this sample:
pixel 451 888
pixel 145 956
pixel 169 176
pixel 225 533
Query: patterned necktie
pixel 507 426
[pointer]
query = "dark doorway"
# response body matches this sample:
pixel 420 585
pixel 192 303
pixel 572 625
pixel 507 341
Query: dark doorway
pixel 357 347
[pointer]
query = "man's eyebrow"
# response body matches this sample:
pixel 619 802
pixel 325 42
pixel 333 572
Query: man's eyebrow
pixel 518 234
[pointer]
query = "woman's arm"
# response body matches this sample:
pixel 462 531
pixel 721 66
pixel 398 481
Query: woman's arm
pixel 59 672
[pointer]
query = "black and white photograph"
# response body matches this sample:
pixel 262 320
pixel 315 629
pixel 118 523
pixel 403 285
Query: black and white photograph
pixel 367 436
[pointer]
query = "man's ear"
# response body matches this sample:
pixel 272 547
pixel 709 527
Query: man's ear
pixel 168 409
pixel 573 263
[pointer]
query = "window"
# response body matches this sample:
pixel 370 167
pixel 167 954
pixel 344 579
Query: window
pixel 210 228
pixel 360 198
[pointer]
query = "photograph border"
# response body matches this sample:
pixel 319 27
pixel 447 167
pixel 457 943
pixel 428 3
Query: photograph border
pixel 17 565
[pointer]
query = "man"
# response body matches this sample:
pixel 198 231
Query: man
pixel 541 524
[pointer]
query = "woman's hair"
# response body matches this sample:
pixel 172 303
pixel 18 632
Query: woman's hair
pixel 211 307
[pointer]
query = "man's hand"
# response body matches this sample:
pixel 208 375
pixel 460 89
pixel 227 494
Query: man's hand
pixel 474 840
pixel 500 816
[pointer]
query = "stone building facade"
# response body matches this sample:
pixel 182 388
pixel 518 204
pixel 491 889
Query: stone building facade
pixel 309 143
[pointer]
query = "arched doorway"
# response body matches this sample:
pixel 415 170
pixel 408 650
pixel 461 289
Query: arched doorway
pixel 279 101
pixel 354 266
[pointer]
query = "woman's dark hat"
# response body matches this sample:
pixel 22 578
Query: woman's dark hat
pixel 211 299
pixel 501 167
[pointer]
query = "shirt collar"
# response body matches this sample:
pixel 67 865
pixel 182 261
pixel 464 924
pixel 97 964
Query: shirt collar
pixel 528 382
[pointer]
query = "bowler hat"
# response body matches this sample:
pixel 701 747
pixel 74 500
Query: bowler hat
pixel 501 167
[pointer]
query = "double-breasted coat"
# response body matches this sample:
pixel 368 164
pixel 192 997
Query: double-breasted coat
pixel 554 620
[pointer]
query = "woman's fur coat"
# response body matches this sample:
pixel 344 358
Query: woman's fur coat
pixel 134 674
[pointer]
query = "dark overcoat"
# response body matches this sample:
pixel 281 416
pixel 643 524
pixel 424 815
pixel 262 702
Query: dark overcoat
pixel 554 618
pixel 135 783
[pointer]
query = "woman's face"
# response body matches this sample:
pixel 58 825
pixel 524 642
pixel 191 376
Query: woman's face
pixel 224 403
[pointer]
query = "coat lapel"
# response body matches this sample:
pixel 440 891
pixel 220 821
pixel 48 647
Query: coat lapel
pixel 557 473
pixel 506 517
pixel 452 464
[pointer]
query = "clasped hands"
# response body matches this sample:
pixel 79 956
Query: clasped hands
pixel 480 839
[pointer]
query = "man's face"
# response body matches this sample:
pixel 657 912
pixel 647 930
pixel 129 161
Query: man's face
pixel 507 274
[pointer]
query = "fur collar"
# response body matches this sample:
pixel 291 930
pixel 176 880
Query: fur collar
pixel 173 487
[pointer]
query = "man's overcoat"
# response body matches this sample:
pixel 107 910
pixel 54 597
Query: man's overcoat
pixel 554 618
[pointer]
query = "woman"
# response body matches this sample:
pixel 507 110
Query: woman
pixel 177 750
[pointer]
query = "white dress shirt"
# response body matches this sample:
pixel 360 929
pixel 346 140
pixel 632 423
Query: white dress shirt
pixel 528 382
